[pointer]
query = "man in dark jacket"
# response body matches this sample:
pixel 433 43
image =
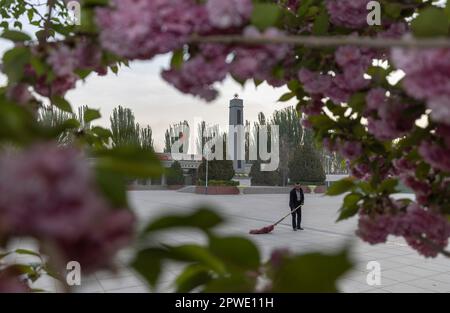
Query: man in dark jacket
pixel 296 198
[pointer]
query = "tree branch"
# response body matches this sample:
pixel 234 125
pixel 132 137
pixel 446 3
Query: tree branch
pixel 326 41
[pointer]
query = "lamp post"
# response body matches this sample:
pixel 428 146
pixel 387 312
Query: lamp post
pixel 206 176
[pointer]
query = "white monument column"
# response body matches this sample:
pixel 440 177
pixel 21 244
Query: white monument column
pixel 236 134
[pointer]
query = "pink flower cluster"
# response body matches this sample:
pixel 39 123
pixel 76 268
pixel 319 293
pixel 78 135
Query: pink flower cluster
pixel 64 60
pixel 210 65
pixel 10 281
pixel 348 13
pixel 257 61
pixel 434 64
pixel 141 29
pixel 353 63
pixel 425 231
pixel 228 14
pixel 197 75
pixel 47 192
pixel 388 118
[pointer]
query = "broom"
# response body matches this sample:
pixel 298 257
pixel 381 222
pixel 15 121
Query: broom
pixel 268 229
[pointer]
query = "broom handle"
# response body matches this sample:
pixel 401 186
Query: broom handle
pixel 295 210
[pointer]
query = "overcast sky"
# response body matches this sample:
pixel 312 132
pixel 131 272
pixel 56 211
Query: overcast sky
pixel 156 103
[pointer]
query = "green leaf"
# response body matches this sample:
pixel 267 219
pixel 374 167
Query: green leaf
pixel 287 96
pixel 447 10
pixel 312 272
pixel 357 101
pixel 101 132
pixel 62 104
pixel 113 186
pixel 304 7
pixel 265 15
pixel 131 160
pixel 193 276
pixel 148 263
pixel 393 10
pixel 14 62
pixel 321 23
pixel 202 218
pixel 177 59
pixel 388 185
pixel 231 284
pixel 350 206
pixel 293 85
pixel 197 254
pixel 15 36
pixel 236 251
pixel 431 22
pixel 27 252
pixel 90 115
pixel 340 187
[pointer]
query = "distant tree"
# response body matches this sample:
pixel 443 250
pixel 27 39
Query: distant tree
pixel 263 178
pixel 175 176
pixel 52 117
pixel 146 138
pixel 217 170
pixel 306 165
pixel 123 127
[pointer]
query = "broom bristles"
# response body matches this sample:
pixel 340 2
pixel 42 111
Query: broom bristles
pixel 264 230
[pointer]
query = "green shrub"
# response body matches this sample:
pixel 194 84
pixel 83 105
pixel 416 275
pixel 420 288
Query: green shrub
pixel 263 178
pixel 217 170
pixel 175 174
pixel 219 183
pixel 306 166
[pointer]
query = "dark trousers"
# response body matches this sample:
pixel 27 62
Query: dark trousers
pixel 297 218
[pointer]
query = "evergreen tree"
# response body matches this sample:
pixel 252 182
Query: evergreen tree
pixel 175 176
pixel 306 165
pixel 146 138
pixel 263 178
pixel 217 170
pixel 123 127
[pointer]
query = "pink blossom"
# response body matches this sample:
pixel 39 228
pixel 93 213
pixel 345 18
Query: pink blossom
pixel 436 155
pixel 48 192
pixel 395 30
pixel 278 256
pixel 440 108
pixel 361 171
pixel 348 13
pixel 258 61
pixel 58 86
pixel 376 229
pixel 141 29
pixel 10 281
pixel 314 82
pixel 375 98
pixel 350 149
pixel 19 93
pixel 197 76
pixel 428 231
pixel 230 13
pixel 443 131
pixel 432 64
pixel 62 60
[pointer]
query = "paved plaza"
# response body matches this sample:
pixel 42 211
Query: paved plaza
pixel 402 269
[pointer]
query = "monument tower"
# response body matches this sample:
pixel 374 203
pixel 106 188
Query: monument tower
pixel 238 140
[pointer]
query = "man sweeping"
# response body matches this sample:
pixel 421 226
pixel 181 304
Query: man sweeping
pixel 296 198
